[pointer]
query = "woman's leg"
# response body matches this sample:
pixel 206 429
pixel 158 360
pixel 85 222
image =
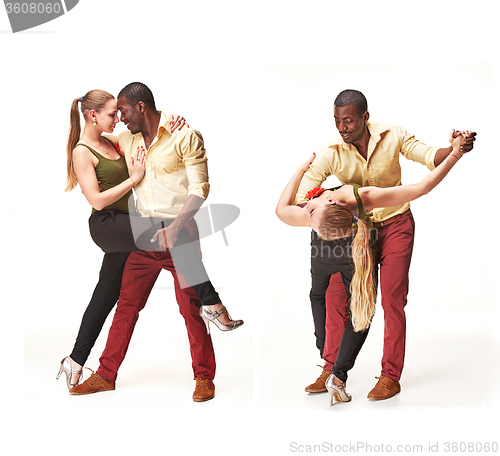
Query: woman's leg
pixel 103 300
pixel 319 285
pixel 327 259
pixel 187 260
pixel 349 348
pixel 186 255
pixel 352 341
pixel 115 231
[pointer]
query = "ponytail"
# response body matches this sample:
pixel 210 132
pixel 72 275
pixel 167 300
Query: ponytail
pixel 363 284
pixel 93 100
pixel 73 138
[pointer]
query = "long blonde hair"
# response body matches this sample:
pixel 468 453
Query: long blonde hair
pixel 337 222
pixel 95 99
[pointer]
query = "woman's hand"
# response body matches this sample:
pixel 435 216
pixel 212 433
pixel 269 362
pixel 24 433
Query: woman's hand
pixel 304 167
pixel 138 165
pixel 177 122
pixel 457 139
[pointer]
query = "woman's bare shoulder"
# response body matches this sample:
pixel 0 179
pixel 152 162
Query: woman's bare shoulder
pixel 82 154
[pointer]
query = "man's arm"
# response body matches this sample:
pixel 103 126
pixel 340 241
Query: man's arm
pixel 413 149
pixel 167 237
pixel 467 146
pixel 317 173
pixel 194 158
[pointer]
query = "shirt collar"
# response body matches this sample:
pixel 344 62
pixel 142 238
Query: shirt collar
pixel 375 128
pixel 163 126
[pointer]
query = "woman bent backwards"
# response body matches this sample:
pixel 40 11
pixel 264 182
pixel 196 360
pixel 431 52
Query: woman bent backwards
pixel 340 218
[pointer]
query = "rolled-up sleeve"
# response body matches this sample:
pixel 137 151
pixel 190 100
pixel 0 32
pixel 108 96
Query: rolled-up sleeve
pixel 195 159
pixel 413 149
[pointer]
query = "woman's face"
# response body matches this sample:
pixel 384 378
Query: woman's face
pixel 107 117
pixel 316 207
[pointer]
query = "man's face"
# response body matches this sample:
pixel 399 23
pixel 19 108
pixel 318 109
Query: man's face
pixel 349 123
pixel 130 115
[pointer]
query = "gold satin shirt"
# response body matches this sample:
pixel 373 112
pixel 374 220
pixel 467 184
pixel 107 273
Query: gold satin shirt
pixel 176 167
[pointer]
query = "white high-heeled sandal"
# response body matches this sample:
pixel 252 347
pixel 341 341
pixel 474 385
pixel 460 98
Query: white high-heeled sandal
pixel 69 371
pixel 213 317
pixel 335 391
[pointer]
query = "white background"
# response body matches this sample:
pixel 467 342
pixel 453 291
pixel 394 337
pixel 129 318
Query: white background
pixel 258 80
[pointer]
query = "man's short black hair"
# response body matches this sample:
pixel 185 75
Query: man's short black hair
pixel 137 91
pixel 352 97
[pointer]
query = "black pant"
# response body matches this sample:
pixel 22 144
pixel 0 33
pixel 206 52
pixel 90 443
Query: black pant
pixel 114 233
pixel 327 258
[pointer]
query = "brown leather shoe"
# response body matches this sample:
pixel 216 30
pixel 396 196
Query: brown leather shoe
pixel 319 385
pixel 204 390
pixel 384 389
pixel 94 384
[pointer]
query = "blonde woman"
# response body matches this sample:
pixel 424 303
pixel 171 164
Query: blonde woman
pixel 94 161
pixel 341 242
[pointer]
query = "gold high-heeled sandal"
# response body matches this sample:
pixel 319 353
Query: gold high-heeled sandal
pixel 69 371
pixel 335 391
pixel 213 317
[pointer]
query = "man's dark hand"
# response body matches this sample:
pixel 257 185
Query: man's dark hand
pixel 468 144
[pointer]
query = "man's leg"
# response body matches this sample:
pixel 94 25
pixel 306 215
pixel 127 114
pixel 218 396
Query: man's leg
pixel 202 351
pixel 337 304
pixel 139 276
pixel 395 251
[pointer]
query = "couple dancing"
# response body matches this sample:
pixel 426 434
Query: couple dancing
pixel 165 162
pixel 357 227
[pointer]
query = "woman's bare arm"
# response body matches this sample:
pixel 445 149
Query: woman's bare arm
pixel 387 197
pixel 83 162
pixel 285 210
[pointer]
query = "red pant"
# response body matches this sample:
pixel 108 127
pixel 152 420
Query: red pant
pixel 395 247
pixel 139 276
pixel 337 303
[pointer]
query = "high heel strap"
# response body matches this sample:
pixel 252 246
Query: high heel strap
pixel 69 371
pixel 213 317
pixel 335 391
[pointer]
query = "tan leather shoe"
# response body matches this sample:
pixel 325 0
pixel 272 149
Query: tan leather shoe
pixel 94 384
pixel 319 385
pixel 384 389
pixel 204 390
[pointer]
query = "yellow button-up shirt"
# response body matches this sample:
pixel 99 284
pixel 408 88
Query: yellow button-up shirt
pixel 176 167
pixel 380 169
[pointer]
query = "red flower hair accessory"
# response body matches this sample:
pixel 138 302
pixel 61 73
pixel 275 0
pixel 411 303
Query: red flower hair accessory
pixel 118 149
pixel 314 192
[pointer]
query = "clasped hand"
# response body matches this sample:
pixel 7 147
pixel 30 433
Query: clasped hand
pixel 468 139
pixel 462 141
